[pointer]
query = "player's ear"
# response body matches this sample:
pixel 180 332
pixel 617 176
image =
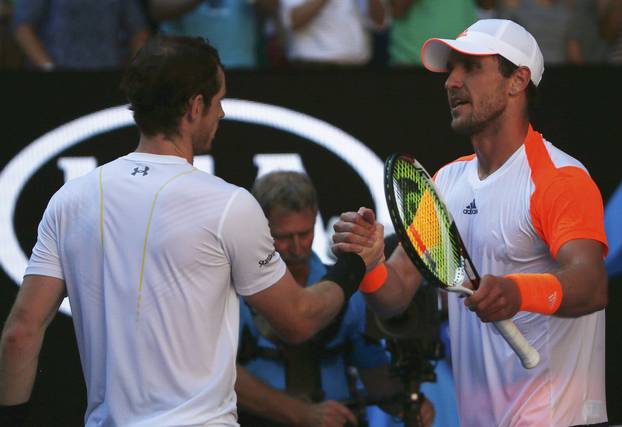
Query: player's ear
pixel 195 107
pixel 519 80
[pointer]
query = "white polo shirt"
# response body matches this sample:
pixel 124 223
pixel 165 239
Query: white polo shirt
pixel 515 221
pixel 338 34
pixel 154 254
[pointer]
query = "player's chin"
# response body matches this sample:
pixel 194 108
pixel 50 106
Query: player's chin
pixel 468 125
pixel 461 126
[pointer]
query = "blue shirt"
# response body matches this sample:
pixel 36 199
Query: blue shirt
pixel 364 354
pixel 83 34
pixel 229 25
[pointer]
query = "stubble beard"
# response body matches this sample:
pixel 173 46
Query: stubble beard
pixel 475 122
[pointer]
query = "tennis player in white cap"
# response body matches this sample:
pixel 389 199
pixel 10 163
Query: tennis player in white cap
pixel 532 220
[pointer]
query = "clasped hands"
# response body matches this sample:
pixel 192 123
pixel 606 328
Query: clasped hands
pixel 359 232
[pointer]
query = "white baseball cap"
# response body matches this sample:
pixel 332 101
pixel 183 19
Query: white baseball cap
pixel 488 37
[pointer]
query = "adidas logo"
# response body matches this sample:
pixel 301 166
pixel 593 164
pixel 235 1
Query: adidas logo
pixel 471 209
pixel 552 299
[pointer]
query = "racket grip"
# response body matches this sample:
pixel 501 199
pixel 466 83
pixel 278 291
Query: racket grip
pixel 528 355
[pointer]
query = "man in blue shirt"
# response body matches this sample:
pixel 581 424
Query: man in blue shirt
pixel 232 26
pixel 315 374
pixel 79 34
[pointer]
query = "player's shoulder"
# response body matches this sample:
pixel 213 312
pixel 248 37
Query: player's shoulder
pixel 454 168
pixel 551 165
pixel 207 184
pixel 560 158
pixel 79 186
pixel 544 158
pixel 212 180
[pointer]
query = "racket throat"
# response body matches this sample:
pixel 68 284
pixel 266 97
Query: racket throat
pixel 461 290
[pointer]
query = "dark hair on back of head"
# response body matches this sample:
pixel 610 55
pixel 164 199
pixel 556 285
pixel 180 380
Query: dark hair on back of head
pixel 166 73
pixel 507 68
pixel 288 190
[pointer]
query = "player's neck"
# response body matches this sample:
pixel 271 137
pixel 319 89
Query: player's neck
pixel 159 144
pixel 496 144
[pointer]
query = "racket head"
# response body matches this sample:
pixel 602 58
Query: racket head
pixel 431 239
pixel 423 223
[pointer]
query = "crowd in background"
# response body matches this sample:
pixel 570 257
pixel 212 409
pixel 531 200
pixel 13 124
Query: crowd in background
pixel 95 34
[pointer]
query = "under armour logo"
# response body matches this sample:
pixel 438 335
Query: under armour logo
pixel 138 170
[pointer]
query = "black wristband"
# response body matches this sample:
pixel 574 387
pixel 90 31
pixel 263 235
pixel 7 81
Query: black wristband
pixel 14 415
pixel 347 272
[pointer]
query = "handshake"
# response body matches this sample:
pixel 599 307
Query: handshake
pixel 359 233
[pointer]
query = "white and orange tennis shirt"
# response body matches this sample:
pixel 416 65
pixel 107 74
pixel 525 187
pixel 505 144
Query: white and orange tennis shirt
pixel 154 254
pixel 515 221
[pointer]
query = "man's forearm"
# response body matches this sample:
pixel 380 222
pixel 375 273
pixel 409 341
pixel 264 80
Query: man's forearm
pixel 321 305
pixel 32 46
pixel 400 286
pixel 297 313
pixel 19 356
pixel 264 400
pixel 584 291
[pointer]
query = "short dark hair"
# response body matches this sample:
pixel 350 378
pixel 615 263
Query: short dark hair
pixel 164 75
pixel 292 191
pixel 507 68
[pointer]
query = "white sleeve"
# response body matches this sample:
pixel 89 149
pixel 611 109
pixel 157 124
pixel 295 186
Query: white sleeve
pixel 45 260
pixel 255 264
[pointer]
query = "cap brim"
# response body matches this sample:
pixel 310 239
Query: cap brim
pixel 435 52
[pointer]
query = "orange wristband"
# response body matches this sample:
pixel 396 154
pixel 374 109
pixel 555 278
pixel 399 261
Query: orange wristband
pixel 374 279
pixel 539 293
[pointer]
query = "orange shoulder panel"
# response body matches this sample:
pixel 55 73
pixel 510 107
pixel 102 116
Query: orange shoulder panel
pixel 566 203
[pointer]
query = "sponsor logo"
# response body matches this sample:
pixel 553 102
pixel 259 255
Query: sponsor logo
pixel 552 299
pixel 144 171
pixel 264 262
pixel 19 170
pixel 471 209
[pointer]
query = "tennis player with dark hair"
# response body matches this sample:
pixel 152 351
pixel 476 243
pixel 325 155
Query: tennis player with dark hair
pixel 532 221
pixel 153 254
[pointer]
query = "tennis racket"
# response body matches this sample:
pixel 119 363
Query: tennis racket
pixel 430 238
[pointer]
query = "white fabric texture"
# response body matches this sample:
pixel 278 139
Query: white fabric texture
pixel 154 254
pixel 337 34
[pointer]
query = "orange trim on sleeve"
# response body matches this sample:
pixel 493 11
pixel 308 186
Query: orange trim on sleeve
pixel 566 203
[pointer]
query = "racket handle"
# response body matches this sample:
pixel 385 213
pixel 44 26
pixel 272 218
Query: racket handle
pixel 528 355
